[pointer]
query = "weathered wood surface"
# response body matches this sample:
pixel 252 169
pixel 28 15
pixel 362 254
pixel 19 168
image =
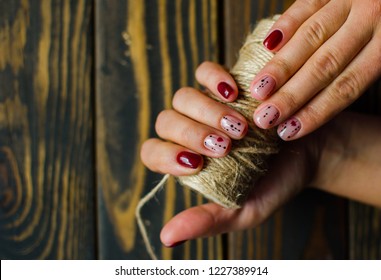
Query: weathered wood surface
pixel 46 130
pixel 81 83
pixel 146 50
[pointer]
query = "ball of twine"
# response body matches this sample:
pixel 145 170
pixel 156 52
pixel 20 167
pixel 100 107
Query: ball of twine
pixel 228 180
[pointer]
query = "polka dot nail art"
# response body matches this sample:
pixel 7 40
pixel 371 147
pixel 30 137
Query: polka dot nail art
pixel 267 116
pixel 289 129
pixel 263 87
pixel 233 126
pixel 216 143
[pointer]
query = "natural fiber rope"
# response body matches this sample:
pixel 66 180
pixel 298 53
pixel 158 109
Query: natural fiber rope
pixel 228 180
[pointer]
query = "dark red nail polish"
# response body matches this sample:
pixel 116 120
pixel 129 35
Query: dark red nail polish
pixel 273 39
pixel 177 244
pixel 225 90
pixel 188 159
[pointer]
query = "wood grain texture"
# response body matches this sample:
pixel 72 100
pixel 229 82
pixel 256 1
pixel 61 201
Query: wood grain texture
pixel 146 50
pixel 140 53
pixel 46 136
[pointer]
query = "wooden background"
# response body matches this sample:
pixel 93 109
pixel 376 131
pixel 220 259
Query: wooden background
pixel 81 83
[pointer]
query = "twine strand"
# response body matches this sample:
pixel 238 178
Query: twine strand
pixel 142 227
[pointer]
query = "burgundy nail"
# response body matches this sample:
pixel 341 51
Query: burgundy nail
pixel 267 116
pixel 176 244
pixel 273 39
pixel 190 160
pixel 263 87
pixel 225 90
pixel 289 128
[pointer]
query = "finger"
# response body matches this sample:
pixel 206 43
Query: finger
pixel 217 80
pixel 310 36
pixel 341 93
pixel 203 109
pixel 318 72
pixel 168 158
pixel 287 24
pixel 200 138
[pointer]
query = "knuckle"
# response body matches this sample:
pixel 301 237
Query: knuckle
pixel 290 100
pixel 376 9
pixel 204 109
pixel 282 65
pixel 326 66
pixel 312 115
pixel 314 4
pixel 346 88
pixel 315 33
pixel 188 135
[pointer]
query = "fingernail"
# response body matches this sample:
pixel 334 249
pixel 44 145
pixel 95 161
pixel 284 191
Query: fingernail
pixel 273 39
pixel 289 128
pixel 190 160
pixel 233 126
pixel 267 116
pixel 225 90
pixel 176 244
pixel 216 143
pixel 263 87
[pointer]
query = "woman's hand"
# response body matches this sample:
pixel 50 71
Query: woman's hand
pixel 341 158
pixel 199 125
pixel 327 54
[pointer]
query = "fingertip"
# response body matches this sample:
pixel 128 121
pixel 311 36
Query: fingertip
pixel 290 129
pixel 274 40
pixel 227 91
pixel 266 116
pixel 262 86
pixel 219 81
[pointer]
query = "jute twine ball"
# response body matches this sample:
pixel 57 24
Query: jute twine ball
pixel 228 180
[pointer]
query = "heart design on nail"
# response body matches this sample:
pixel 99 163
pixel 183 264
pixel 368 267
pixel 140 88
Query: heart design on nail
pixel 219 139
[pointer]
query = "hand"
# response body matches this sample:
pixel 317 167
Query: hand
pixel 337 158
pixel 188 126
pixel 327 54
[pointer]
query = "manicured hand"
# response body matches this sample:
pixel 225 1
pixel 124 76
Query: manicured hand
pixel 197 125
pixel 327 54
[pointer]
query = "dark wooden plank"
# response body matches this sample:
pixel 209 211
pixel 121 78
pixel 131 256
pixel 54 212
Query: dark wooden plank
pixel 307 227
pixel 145 51
pixel 46 132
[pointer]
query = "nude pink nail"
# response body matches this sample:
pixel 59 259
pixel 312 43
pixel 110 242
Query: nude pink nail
pixel 267 116
pixel 263 88
pixel 216 143
pixel 289 129
pixel 233 126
